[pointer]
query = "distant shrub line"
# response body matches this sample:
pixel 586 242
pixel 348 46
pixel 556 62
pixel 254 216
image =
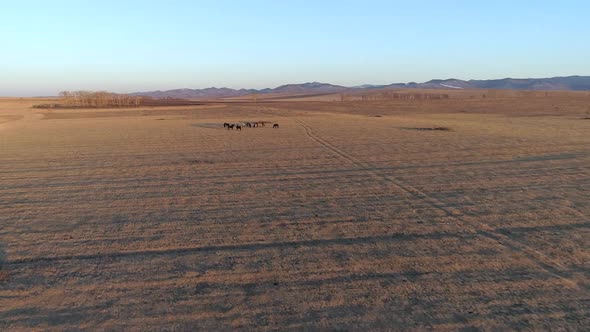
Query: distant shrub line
pixel 98 99
pixel 103 99
pixel 404 96
pixel 387 95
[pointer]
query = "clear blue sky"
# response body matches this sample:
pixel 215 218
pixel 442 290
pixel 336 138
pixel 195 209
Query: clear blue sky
pixel 125 46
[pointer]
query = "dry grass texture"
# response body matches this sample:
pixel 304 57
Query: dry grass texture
pixel 158 218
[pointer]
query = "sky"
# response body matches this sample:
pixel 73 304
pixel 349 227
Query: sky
pixel 128 46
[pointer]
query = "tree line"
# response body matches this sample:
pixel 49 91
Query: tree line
pixel 404 96
pixel 99 99
pixel 388 95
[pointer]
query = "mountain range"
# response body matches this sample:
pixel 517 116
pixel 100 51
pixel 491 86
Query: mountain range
pixel 570 83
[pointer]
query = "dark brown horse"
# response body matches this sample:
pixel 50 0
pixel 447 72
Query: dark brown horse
pixel 276 125
pixel 238 127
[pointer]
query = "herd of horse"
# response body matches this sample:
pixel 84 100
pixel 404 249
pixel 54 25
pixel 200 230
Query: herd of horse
pixel 238 126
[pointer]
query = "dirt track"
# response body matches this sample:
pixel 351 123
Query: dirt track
pixel 159 218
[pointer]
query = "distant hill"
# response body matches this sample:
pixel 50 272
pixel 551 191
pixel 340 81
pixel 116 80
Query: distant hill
pixel 196 93
pixel 313 87
pixel 571 83
pixel 305 88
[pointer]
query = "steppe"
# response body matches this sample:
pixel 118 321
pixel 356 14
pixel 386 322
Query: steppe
pixel 352 215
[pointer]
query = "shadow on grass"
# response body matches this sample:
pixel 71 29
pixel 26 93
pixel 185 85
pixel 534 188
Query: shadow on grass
pixel 2 255
pixel 3 258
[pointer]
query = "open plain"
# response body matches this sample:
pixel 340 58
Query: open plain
pixel 352 215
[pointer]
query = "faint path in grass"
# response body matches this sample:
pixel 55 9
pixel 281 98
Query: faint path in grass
pixel 550 265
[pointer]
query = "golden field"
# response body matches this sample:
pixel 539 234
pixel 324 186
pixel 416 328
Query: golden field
pixel 346 217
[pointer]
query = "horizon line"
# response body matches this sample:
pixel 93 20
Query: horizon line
pixel 307 82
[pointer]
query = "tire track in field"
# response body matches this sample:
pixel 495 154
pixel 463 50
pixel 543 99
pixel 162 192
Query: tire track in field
pixel 548 264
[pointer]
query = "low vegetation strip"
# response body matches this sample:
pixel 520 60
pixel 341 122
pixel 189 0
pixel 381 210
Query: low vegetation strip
pixel 103 99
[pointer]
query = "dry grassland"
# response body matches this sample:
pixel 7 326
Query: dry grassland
pixel 344 218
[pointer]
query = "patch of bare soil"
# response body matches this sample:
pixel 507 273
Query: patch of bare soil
pixel 427 128
pixel 200 161
pixel 208 125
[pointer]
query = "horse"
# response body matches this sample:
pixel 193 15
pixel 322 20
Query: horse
pixel 248 124
pixel 255 124
pixel 238 127
pixel 276 125
pixel 225 125
pixel 230 126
